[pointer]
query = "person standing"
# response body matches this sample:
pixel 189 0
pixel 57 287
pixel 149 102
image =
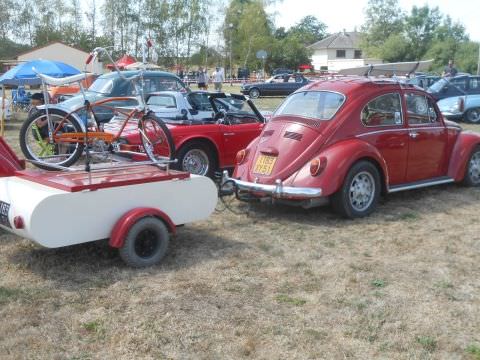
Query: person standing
pixel 218 78
pixel 449 70
pixel 202 79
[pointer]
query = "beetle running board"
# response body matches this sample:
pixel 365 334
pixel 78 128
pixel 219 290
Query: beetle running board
pixel 421 184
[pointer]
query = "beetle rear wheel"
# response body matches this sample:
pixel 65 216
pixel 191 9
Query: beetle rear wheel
pixel 360 191
pixel 156 139
pixel 472 174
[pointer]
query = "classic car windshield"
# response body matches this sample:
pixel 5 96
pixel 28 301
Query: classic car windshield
pixel 321 105
pixel 166 101
pixel 102 86
pixel 437 86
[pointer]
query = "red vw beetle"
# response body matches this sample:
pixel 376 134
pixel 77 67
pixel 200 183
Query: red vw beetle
pixel 349 139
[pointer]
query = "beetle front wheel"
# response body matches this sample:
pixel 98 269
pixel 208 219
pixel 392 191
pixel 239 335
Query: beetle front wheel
pixel 156 139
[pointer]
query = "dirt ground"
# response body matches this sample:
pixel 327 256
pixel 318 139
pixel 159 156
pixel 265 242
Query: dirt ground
pixel 265 282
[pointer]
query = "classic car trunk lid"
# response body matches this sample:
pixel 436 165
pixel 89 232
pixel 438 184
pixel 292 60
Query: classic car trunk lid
pixel 284 147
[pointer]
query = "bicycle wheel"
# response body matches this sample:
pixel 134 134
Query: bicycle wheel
pixel 156 139
pixel 35 144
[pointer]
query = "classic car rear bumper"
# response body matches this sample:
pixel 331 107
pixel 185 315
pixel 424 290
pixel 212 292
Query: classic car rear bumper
pixel 277 191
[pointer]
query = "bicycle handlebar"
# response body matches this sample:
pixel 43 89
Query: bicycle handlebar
pixel 100 50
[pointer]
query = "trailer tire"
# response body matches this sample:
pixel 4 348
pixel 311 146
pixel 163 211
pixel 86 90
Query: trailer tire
pixel 146 243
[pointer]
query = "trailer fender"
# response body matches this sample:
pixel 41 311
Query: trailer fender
pixel 123 225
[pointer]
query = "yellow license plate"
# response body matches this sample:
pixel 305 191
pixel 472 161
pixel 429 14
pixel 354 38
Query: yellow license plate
pixel 264 164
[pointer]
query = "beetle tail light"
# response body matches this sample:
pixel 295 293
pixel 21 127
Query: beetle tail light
pixel 18 222
pixel 241 156
pixel 318 165
pixel 461 104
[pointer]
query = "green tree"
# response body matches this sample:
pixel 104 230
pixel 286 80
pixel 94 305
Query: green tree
pixel 246 30
pixel 308 30
pixel 383 18
pixel 420 29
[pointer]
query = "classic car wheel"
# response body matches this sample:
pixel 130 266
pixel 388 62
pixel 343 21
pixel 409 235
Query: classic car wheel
pixel 360 191
pixel 254 93
pixel 196 158
pixel 473 116
pixel 472 175
pixel 146 243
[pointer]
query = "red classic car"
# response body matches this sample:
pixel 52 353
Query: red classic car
pixel 208 128
pixel 349 139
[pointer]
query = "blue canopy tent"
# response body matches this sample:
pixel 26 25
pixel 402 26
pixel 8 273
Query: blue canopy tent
pixel 24 74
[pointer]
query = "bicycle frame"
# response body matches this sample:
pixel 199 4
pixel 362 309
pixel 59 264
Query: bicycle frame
pixel 89 136
pixel 97 133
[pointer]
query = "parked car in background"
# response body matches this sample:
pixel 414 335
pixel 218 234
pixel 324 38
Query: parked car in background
pixel 455 86
pixel 282 71
pixel 112 85
pixel 61 93
pixel 348 140
pixel 465 107
pixel 278 85
pixel 424 81
pixel 208 128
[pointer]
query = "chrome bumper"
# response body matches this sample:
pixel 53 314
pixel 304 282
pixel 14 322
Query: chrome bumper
pixel 277 191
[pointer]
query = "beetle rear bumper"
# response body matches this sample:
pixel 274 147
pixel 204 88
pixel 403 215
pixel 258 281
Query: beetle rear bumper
pixel 277 191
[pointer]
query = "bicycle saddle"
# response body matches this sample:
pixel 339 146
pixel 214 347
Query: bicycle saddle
pixel 60 81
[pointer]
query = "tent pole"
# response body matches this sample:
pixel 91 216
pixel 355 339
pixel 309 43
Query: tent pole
pixel 2 124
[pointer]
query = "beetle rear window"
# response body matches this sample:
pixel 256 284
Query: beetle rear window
pixel 320 105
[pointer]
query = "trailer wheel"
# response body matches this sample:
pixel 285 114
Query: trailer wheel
pixel 146 243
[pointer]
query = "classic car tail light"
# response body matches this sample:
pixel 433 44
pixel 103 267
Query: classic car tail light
pixel 241 156
pixel 18 222
pixel 461 104
pixel 317 166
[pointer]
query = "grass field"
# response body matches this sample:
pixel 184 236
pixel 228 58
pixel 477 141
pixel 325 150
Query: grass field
pixel 264 282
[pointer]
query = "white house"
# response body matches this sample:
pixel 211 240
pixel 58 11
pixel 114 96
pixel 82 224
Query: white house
pixel 58 51
pixel 339 51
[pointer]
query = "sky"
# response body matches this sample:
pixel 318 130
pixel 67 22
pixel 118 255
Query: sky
pixel 348 14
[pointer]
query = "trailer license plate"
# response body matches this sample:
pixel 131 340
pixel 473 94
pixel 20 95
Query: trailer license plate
pixel 4 208
pixel 264 164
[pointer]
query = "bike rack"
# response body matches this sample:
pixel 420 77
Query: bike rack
pixel 163 165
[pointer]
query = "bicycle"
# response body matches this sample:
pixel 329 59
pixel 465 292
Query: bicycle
pixel 54 139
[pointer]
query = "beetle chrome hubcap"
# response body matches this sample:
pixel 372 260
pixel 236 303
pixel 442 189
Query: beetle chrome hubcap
pixel 474 168
pixel 362 191
pixel 196 162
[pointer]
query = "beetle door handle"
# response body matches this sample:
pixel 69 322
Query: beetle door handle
pixel 229 134
pixel 413 134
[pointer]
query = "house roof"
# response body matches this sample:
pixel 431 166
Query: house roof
pixel 341 40
pixel 47 45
